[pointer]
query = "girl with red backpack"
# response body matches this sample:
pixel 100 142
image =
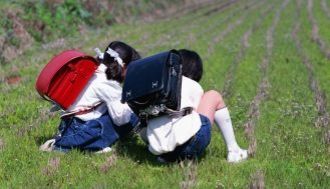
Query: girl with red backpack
pixel 102 125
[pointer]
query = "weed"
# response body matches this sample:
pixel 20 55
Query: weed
pixel 52 166
pixel 2 144
pixel 110 161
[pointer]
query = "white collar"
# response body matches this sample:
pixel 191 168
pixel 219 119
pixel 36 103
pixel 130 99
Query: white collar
pixel 101 68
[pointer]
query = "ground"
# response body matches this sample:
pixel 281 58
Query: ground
pixel 270 59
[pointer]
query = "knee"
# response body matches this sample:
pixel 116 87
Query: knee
pixel 215 95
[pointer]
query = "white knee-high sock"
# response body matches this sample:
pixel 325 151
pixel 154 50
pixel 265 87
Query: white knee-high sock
pixel 223 121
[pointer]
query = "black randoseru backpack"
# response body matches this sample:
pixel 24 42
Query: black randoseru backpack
pixel 152 86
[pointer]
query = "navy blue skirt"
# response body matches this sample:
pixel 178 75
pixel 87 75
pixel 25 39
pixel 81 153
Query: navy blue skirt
pixel 92 135
pixel 194 147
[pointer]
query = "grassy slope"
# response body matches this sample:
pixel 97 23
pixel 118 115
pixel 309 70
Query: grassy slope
pixel 290 152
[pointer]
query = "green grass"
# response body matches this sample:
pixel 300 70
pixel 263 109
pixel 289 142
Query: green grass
pixel 320 62
pixel 290 152
pixel 322 20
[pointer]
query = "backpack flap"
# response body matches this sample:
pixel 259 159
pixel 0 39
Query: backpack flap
pixel 53 66
pixel 144 76
pixel 153 81
pixel 65 76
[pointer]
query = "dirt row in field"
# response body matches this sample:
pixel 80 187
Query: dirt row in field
pixel 166 32
pixel 188 25
pixel 190 169
pixel 52 166
pixel 257 179
pixel 325 8
pixel 254 110
pixel 109 162
pixel 186 21
pixel 221 7
pixel 226 92
pixel 2 144
pixel 219 37
pixel 215 26
pixel 323 118
pixel 199 5
pixel 315 31
pixel 169 34
pixel 225 20
pixel 189 172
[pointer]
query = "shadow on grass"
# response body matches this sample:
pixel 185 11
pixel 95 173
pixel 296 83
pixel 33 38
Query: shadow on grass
pixel 134 148
pixel 42 139
pixel 131 147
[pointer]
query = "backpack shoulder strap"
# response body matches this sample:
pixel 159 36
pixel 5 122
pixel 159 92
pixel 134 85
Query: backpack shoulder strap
pixel 178 113
pixel 81 110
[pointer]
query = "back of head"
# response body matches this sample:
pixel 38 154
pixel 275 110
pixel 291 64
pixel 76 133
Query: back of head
pixel 126 53
pixel 192 65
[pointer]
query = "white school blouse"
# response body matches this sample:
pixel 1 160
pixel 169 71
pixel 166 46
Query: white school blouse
pixel 99 88
pixel 165 133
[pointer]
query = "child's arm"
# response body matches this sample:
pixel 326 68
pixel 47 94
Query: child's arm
pixel 110 93
pixel 119 112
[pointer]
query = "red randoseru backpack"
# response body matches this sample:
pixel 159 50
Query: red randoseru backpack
pixel 65 76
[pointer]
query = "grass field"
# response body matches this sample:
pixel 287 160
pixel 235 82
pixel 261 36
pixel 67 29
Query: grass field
pixel 269 58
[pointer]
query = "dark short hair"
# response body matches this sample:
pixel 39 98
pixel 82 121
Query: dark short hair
pixel 192 64
pixel 126 53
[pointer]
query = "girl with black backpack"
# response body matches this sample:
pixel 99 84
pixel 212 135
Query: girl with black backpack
pixel 187 137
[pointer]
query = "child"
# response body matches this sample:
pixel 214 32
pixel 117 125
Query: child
pixel 98 118
pixel 187 137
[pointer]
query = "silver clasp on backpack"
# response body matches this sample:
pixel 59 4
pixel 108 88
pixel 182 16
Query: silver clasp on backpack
pixel 128 93
pixel 154 84
pixel 154 110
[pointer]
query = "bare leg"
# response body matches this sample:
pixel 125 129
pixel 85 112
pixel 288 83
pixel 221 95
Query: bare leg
pixel 211 102
pixel 213 107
